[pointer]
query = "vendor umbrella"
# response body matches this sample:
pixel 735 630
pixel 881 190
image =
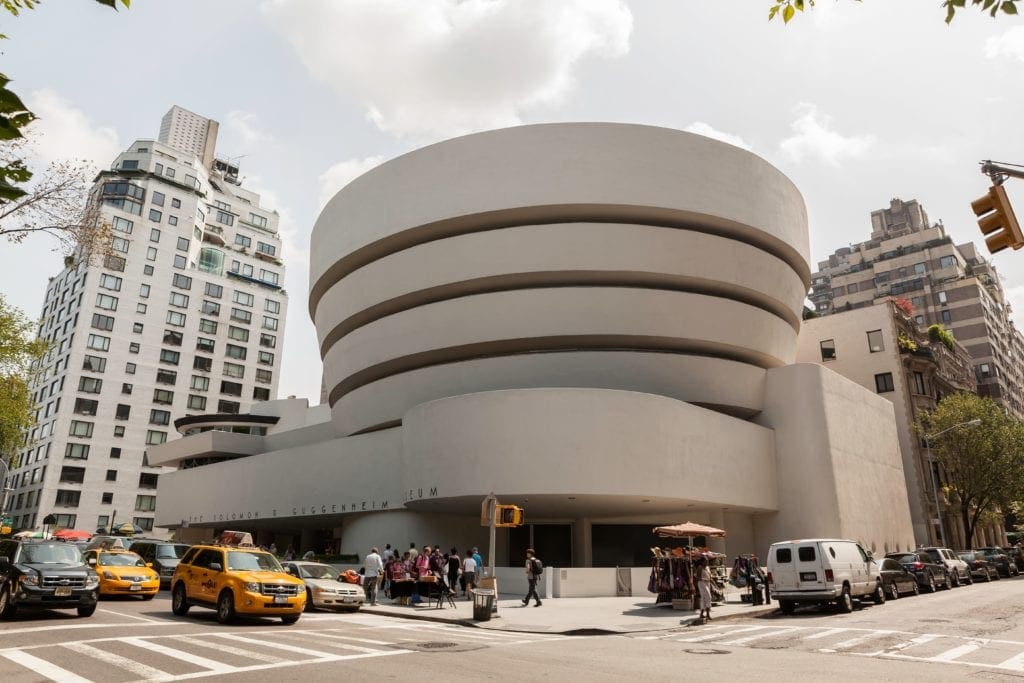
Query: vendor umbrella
pixel 688 530
pixel 128 529
pixel 72 535
pixel 31 533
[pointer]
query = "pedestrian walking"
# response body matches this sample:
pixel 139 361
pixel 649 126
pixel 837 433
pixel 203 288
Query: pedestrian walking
pixel 454 565
pixel 704 588
pixel 468 574
pixel 289 553
pixel 479 562
pixel 373 567
pixel 534 568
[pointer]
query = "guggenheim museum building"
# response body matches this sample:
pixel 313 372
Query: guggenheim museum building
pixel 596 322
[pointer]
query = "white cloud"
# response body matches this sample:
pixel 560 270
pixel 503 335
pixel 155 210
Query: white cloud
pixel 1009 44
pixel 435 68
pixel 814 137
pixel 341 174
pixel 247 127
pixel 701 128
pixel 63 131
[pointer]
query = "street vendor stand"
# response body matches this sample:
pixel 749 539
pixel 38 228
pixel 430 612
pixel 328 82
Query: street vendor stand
pixel 672 575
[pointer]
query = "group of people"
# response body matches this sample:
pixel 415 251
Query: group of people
pixel 289 552
pixel 449 571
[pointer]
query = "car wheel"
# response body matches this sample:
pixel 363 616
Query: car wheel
pixel 845 601
pixel 931 583
pixel 87 611
pixel 179 601
pixel 947 582
pixel 7 608
pixel 226 607
pixel 917 588
pixel 787 606
pixel 290 619
pixel 309 601
pixel 953 580
pixel 988 576
pixel 879 596
pixel 996 576
pixel 969 580
pixel 894 591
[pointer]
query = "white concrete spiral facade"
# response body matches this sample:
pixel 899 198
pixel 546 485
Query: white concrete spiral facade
pixel 561 253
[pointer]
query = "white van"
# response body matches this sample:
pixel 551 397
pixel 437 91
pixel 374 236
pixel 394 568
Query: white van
pixel 822 570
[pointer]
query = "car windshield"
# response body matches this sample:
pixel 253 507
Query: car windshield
pixel 252 560
pixel 906 558
pixel 967 556
pixel 171 551
pixel 121 560
pixel 934 554
pixel 317 571
pixel 51 554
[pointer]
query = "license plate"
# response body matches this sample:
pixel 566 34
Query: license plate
pixel 348 599
pixel 280 598
pixel 808 576
pixel 135 587
pixel 62 591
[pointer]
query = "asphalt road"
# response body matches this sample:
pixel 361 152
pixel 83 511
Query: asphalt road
pixel 971 632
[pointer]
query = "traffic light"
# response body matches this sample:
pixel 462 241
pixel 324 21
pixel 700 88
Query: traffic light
pixel 509 515
pixel 996 216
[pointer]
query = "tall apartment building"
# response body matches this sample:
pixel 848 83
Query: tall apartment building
pixel 952 285
pixel 185 316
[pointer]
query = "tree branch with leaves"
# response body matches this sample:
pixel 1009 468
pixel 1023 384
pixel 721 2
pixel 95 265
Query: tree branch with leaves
pixel 21 355
pixel 787 9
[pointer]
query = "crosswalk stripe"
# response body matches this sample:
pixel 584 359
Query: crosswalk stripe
pixel 899 647
pixel 281 646
pixel 826 633
pixel 734 631
pixel 368 641
pixel 346 646
pixel 757 636
pixel 956 652
pixel 43 667
pixel 137 668
pixel 211 664
pixel 221 647
pixel 1015 663
pixel 853 642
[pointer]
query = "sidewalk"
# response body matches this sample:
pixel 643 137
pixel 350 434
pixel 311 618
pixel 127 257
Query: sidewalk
pixel 574 615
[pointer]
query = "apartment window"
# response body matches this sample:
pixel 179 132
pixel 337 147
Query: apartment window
pixel 107 498
pixel 159 417
pixel 947 262
pixel 269 276
pixel 264 376
pixel 919 385
pixel 883 382
pixel 985 370
pixel 852 288
pixel 234 370
pixel 73 475
pixel 115 453
pixel 270 341
pixel 98 342
pixel 210 308
pixel 241 316
pixel 229 407
pixel 234 351
pixel 169 172
pixel 920 269
pixel 216 291
pixel 258 220
pixel 147 270
pixel 238 333
pixel 144 523
pixel 155 215
pixel 200 383
pixel 225 218
pixel 875 343
pixel 77 451
pixel 178 300
pixel 269 323
pixel 166 377
pixel 90 385
pixel 172 338
pixel 182 281
pixel 94 363
pixel 110 282
pixel 243 298
pixel 126 388
pixel 175 203
pixel 169 357
pixel 196 402
pixel 137 328
pixel 163 396
pixel 111 262
pixel 946 316
pixel 183 243
pixel 260 394
pixel 151 253
pixel 123 411
pixel 148 480
pixel 271 306
pixel 264 248
pixel 102 322
pixel 943 298
pixel 119 244
pixel 86 406
pixel 68 498
pixel 154 437
pixel 175 318
pixel 919 319
pixel 828 349
pixel 180 262
pixel 243 241
pixel 204 344
pixel 144 291
pixel 202 363
pixel 129 164
pixel 111 475
pixel 231 388
pixel 265 358
pixel 129 368
pixel 145 503
pixel 81 429
pixel 121 225
pixel 154 236
pixel 106 302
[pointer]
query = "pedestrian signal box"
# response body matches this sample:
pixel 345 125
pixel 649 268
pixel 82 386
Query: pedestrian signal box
pixel 509 515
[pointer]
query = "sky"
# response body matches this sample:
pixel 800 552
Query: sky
pixel 857 102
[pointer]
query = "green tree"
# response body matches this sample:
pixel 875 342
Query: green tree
pixel 787 9
pixel 20 352
pixel 982 467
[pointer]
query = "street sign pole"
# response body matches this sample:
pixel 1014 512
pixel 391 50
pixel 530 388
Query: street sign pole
pixel 491 504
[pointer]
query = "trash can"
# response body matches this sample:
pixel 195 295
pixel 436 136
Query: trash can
pixel 483 603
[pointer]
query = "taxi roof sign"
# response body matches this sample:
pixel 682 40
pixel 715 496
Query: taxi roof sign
pixel 242 539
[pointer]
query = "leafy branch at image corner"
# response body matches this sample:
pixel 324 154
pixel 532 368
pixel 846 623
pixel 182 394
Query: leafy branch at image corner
pixel 787 9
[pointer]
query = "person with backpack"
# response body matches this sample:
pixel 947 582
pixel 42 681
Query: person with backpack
pixel 534 568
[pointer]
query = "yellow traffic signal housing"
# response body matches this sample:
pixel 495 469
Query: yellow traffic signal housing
pixel 996 216
pixel 509 515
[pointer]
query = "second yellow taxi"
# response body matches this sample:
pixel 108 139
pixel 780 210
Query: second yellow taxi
pixel 123 573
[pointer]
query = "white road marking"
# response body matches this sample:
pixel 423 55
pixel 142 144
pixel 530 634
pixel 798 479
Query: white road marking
pixel 280 646
pixel 346 646
pixel 90 625
pixel 211 664
pixel 757 636
pixel 956 652
pixel 137 668
pixel 133 616
pixel 732 632
pixel 826 633
pixel 1015 663
pixel 221 647
pixel 359 640
pixel 892 649
pixel 853 642
pixel 43 667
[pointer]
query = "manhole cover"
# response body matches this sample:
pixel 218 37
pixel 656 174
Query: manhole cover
pixel 935 621
pixel 436 646
pixel 706 651
pixel 440 646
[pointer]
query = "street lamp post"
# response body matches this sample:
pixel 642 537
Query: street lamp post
pixel 934 475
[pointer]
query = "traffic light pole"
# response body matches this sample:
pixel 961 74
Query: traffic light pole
pixel 1000 172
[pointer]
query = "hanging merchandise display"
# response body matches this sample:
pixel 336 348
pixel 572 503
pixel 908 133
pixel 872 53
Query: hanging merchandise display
pixel 747 574
pixel 673 571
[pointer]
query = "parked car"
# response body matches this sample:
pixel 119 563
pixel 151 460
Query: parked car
pixel 981 568
pixel 929 573
pixel 1016 554
pixel 896 579
pixel 957 569
pixel 45 575
pixel 163 556
pixel 325 588
pixel 822 571
pixel 1002 562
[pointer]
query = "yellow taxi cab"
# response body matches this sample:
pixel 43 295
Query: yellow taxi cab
pixel 122 573
pixel 234 577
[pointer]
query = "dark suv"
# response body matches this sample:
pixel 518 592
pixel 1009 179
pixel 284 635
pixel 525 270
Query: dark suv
pixel 163 556
pixel 45 575
pixel 1003 563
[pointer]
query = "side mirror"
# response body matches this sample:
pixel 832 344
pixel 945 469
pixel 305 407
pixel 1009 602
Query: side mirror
pixel 215 566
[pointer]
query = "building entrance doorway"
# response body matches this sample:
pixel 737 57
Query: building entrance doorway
pixel 553 543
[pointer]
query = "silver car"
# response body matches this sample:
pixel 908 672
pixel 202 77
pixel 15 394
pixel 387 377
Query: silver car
pixel 959 572
pixel 324 587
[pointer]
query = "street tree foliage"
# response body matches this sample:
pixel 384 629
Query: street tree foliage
pixel 982 467
pixel 20 352
pixel 787 9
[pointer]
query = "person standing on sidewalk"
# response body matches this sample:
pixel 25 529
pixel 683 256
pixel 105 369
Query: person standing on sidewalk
pixel 534 568
pixel 373 567
pixel 704 588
